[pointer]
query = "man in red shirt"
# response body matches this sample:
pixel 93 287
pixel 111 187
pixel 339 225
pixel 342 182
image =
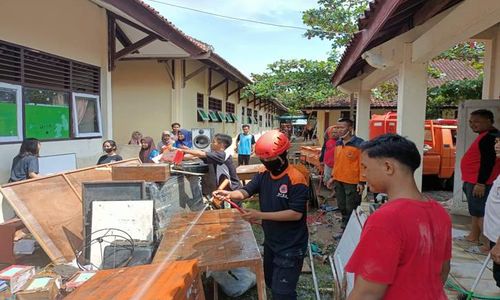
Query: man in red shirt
pixel 480 167
pixel 405 246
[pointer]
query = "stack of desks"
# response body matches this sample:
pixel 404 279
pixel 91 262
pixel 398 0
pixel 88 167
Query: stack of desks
pixel 219 239
pixel 310 155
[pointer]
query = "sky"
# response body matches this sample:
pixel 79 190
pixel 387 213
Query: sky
pixel 247 46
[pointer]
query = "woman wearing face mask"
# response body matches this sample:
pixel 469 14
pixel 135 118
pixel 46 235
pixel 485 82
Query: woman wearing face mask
pixel 109 146
pixel 283 193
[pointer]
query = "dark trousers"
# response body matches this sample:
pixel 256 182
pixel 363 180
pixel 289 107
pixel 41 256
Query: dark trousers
pixel 243 159
pixel 496 267
pixel 282 274
pixel 348 199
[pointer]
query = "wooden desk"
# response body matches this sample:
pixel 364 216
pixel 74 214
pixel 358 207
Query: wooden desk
pixel 219 239
pixel 248 171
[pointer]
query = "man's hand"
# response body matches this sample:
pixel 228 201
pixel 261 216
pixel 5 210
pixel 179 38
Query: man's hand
pixel 236 149
pixel 221 194
pixel 329 183
pixel 251 215
pixel 478 190
pixel 495 253
pixel 360 188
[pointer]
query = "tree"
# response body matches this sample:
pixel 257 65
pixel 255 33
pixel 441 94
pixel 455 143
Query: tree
pixel 334 20
pixel 295 83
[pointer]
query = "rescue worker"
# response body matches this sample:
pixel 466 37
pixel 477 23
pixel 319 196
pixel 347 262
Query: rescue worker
pixel 283 193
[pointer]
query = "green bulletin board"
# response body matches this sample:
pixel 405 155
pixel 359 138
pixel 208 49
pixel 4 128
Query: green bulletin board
pixel 47 121
pixel 8 119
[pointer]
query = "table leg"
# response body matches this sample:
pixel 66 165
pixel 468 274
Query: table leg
pixel 216 290
pixel 261 282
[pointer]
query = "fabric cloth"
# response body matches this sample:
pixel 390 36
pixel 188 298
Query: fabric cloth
pixel 106 159
pixel 282 273
pixel 22 166
pixel 347 161
pixel 327 173
pixel 224 167
pixel 348 199
pixel 404 245
pixel 479 163
pixel 245 142
pixel 243 159
pixel 289 190
pixel 492 213
pixel 476 205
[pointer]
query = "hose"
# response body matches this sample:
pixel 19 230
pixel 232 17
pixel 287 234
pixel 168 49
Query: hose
pixel 470 295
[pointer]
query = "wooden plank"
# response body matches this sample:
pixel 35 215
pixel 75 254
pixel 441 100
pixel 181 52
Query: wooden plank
pixel 176 280
pixel 146 172
pixel 51 209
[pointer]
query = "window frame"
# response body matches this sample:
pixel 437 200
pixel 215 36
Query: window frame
pixel 19 113
pixel 74 113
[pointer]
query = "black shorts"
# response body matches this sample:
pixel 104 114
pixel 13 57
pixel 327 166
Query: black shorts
pixel 243 159
pixel 476 205
pixel 282 274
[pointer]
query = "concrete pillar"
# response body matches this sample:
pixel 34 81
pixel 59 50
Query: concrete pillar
pixel 412 96
pixel 107 105
pixel 177 92
pixel 320 126
pixel 363 114
pixel 491 77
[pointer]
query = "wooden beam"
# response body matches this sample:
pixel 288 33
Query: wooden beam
pixel 239 96
pixel 139 44
pixel 183 73
pixel 170 72
pixel 429 10
pixel 140 28
pixel 464 21
pixel 122 37
pixel 195 72
pixel 379 17
pixel 227 90
pixel 217 84
pixel 234 91
pixel 111 41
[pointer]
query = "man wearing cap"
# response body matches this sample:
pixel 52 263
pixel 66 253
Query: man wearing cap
pixel 283 193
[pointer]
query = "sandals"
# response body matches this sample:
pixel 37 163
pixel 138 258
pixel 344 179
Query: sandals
pixel 476 250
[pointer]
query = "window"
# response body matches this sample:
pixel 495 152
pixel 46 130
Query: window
pixel 202 115
pixel 260 120
pixel 86 115
pixel 47 114
pixel 213 116
pixel 249 116
pixel 255 116
pixel 11 125
pixel 243 114
pixel 199 101
pixel 46 96
pixel 230 107
pixel 215 106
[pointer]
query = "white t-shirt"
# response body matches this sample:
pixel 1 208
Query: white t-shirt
pixel 492 212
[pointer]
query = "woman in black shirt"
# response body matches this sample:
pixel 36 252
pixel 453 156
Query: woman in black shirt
pixel 109 146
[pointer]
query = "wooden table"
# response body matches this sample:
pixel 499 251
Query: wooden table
pixel 247 172
pixel 219 239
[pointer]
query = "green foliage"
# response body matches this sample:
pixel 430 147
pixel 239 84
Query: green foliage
pixel 472 52
pixel 387 91
pixel 295 83
pixel 334 20
pixel 451 93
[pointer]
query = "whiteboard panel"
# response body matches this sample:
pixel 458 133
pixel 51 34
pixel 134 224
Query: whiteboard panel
pixel 58 163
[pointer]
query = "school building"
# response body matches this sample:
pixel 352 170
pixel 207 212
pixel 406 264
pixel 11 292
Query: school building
pixel 74 73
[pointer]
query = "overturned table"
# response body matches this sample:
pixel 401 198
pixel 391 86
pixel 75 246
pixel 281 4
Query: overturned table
pixel 220 239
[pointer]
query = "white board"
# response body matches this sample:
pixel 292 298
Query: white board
pixel 58 163
pixel 346 246
pixel 135 217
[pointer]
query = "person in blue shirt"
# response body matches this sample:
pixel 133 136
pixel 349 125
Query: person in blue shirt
pixel 245 145
pixel 283 193
pixel 148 150
pixel 184 139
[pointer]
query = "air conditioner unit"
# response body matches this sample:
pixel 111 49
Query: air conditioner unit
pixel 202 138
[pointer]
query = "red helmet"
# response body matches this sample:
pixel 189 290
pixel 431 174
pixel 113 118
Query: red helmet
pixel 271 144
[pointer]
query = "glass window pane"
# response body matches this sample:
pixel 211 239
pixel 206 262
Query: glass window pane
pixel 46 114
pixel 8 112
pixel 86 115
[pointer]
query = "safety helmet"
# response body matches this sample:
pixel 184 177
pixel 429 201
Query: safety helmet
pixel 272 144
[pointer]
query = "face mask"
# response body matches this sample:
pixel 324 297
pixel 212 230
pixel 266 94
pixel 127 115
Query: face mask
pixel 108 150
pixel 276 166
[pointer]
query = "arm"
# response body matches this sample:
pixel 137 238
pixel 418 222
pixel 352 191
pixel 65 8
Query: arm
pixel 445 270
pixel 33 175
pixel 197 153
pixel 367 290
pixel 284 215
pixel 488 157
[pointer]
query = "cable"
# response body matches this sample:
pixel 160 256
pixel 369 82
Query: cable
pixel 467 293
pixel 243 19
